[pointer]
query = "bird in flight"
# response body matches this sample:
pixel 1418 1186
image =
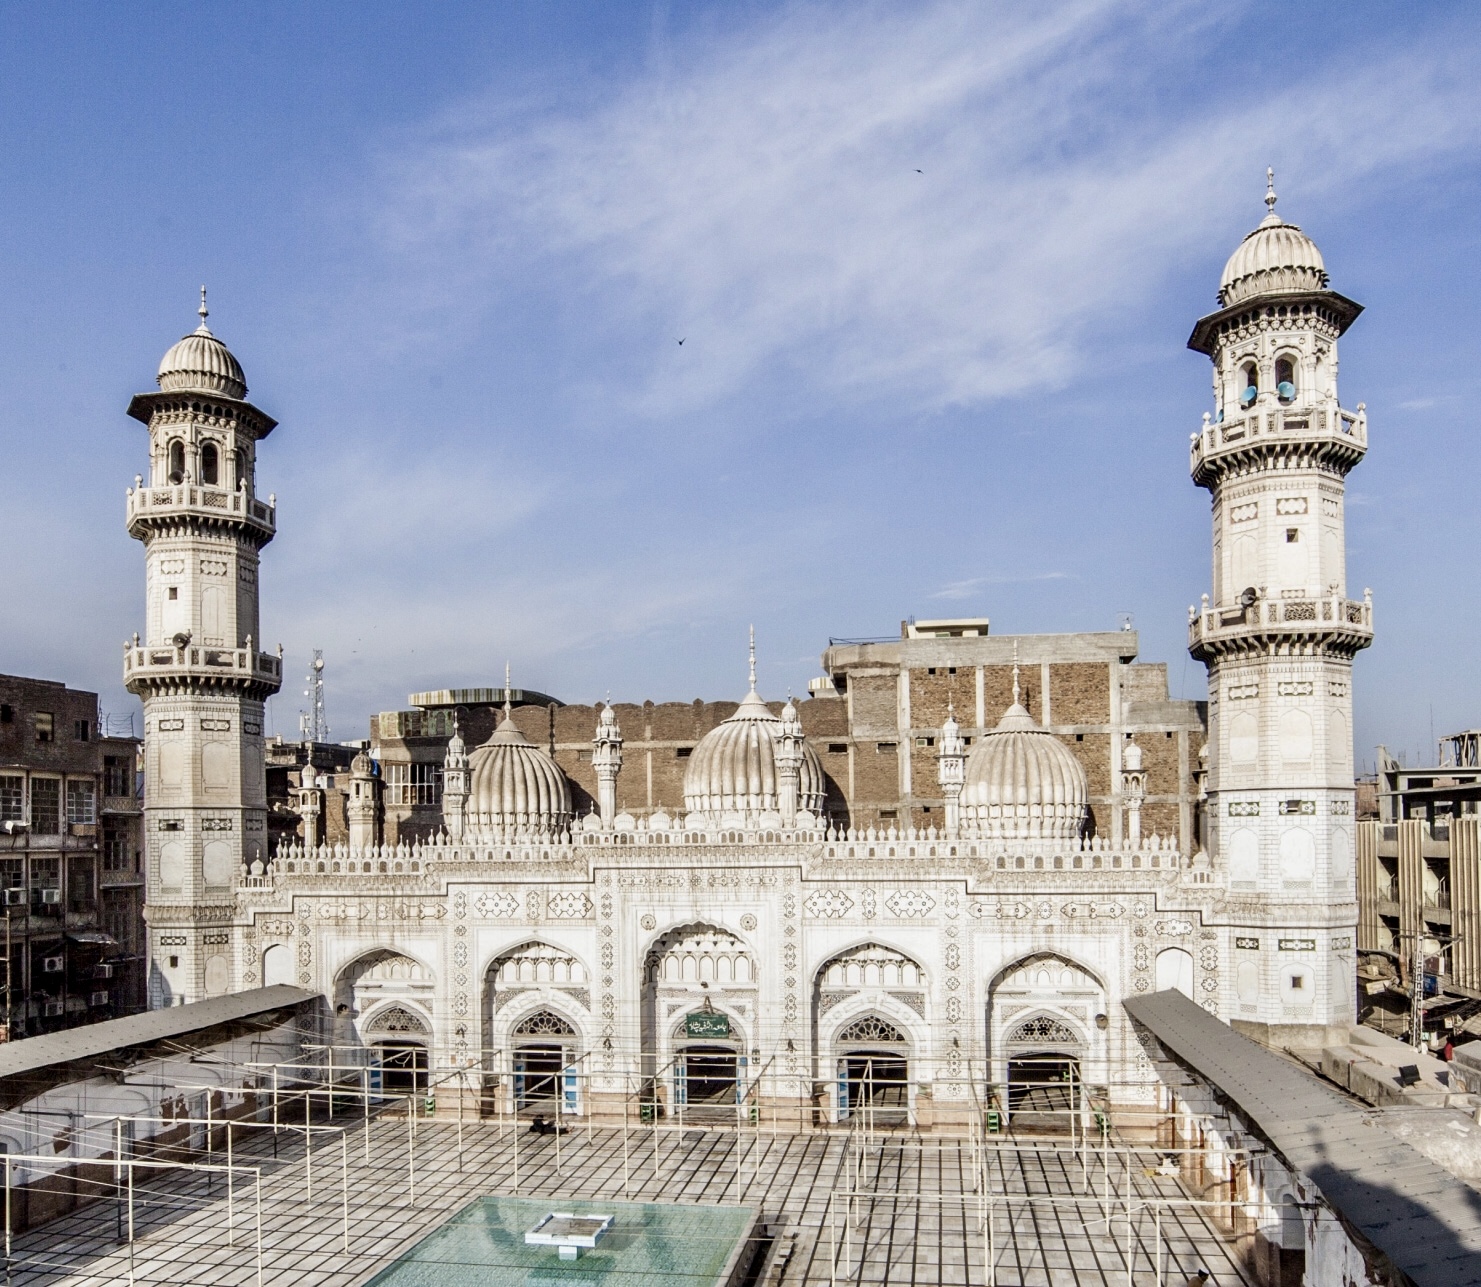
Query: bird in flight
pixel 920 171
pixel 681 342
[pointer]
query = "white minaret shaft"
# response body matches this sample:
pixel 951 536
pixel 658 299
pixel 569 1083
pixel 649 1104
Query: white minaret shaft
pixel 199 669
pixel 1280 630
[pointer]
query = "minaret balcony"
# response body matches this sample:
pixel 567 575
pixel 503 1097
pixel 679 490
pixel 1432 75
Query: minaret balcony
pixel 160 506
pixel 1327 430
pixel 1332 624
pixel 151 669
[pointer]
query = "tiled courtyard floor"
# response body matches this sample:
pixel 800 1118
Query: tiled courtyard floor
pixel 921 1222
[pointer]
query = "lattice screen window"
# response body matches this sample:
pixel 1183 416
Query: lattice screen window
pixel 1045 1028
pixel 542 1024
pixel 398 1019
pixel 871 1028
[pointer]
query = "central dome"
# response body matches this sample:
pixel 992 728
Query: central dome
pixel 1023 783
pixel 1276 258
pixel 732 775
pixel 200 363
pixel 515 787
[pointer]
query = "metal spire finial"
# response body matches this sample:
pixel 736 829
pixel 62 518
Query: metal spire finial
pixel 1015 673
pixel 508 705
pixel 753 659
pixel 203 312
pixel 1270 189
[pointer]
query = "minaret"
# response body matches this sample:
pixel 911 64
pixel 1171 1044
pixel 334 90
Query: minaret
pixel 788 762
pixel 951 767
pixel 198 671
pixel 1280 631
pixel 363 805
pixel 455 786
pixel 606 760
pixel 1133 791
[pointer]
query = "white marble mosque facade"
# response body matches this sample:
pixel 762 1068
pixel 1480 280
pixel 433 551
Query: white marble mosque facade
pixel 1008 932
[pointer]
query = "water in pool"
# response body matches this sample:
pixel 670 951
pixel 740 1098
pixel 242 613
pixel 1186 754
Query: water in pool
pixel 650 1245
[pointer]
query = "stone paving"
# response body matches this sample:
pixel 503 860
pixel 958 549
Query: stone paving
pixel 916 1219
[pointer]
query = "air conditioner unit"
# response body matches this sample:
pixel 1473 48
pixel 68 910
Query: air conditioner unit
pixel 15 897
pixel 102 971
pixel 99 998
pixel 53 964
pixel 51 896
pixel 53 1009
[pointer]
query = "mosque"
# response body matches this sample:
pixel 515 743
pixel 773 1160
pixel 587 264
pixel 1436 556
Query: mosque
pixel 925 888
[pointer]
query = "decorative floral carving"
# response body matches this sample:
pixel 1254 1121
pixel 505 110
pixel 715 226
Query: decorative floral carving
pixel 569 905
pixel 909 903
pixel 497 906
pixel 649 921
pixel 828 903
pixel 748 922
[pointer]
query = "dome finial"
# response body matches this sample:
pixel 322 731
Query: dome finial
pixel 753 658
pixel 203 312
pixel 1270 197
pixel 1015 672
pixel 508 706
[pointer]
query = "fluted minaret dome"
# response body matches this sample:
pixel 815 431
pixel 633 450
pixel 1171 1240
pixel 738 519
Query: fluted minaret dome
pixel 200 363
pixel 732 778
pixel 1023 783
pixel 515 786
pixel 1277 257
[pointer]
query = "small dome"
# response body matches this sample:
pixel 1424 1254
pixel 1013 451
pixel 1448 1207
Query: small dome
pixel 1276 258
pixel 1023 783
pixel 733 768
pixel 200 363
pixel 362 766
pixel 515 786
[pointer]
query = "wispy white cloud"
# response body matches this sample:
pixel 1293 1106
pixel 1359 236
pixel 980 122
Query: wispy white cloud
pixel 971 586
pixel 932 204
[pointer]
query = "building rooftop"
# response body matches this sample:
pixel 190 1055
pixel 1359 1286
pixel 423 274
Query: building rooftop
pixel 92 1040
pixel 1407 1206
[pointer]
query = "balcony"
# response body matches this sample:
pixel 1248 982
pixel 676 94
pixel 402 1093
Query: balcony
pixel 222 667
pixel 1344 624
pixel 1328 430
pixel 148 506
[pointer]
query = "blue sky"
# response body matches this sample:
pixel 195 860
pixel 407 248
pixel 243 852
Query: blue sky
pixel 934 266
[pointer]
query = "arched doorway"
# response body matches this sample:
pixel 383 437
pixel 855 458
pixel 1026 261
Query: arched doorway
pixel 544 1060
pixel 699 994
pixel 873 1072
pixel 398 1038
pixel 1044 1077
pixel 1046 1019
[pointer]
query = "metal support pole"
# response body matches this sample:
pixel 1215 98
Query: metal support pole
pixel 231 1228
pixel 411 1139
pixel 7 1220
pixel 365 1099
pixel 344 1186
pixel 131 1224
pixel 308 1153
pixel 259 1222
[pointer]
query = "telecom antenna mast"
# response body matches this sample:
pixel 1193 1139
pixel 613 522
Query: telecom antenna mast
pixel 312 726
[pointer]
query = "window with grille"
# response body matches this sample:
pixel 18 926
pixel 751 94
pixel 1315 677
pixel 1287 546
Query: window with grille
pixel 118 775
pixel 413 784
pixel 12 797
pixel 46 806
pixel 398 1019
pixel 46 873
pixel 544 1024
pixel 81 803
pixel 79 884
pixel 1045 1028
pixel 116 856
pixel 871 1028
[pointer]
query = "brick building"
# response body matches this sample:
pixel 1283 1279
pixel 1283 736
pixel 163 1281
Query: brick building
pixel 71 848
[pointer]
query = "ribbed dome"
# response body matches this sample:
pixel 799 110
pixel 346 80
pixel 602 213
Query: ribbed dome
pixel 1277 258
pixel 1023 783
pixel 733 770
pixel 200 363
pixel 515 786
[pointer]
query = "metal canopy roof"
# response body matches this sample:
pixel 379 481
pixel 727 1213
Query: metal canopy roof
pixel 31 1054
pixel 1427 1222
